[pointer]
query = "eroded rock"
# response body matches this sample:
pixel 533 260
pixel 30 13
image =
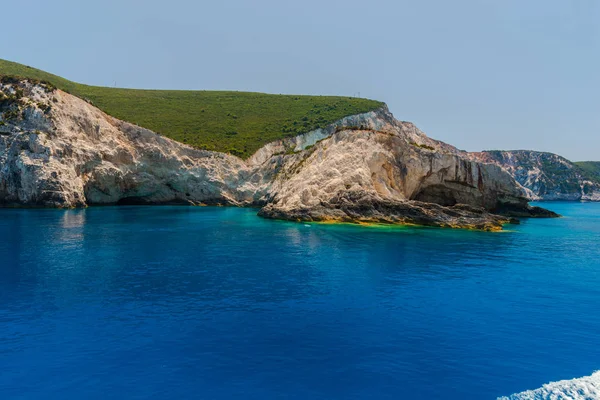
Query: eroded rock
pixel 57 150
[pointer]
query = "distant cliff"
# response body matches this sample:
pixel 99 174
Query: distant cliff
pixel 547 176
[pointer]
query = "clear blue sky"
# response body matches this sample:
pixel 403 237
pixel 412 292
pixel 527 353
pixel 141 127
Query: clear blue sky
pixel 479 74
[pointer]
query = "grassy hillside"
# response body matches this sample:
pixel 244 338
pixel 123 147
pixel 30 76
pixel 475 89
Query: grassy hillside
pixel 591 169
pixel 235 122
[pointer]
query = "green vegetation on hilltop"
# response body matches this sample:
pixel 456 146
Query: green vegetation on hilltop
pixel 590 168
pixel 235 122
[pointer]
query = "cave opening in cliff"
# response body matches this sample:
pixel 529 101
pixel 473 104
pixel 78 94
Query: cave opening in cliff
pixel 437 194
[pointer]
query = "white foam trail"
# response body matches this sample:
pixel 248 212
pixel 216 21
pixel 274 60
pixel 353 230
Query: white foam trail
pixel 586 388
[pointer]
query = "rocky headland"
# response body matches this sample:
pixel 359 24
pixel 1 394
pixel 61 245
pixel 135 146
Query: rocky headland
pixel 57 150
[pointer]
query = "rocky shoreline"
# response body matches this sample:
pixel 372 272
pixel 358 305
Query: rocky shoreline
pixel 57 150
pixel 361 208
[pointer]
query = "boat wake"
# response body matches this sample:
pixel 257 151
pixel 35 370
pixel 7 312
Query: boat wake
pixel 586 388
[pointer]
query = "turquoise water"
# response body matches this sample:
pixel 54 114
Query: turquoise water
pixel 216 303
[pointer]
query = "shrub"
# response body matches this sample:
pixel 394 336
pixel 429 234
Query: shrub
pixel 422 146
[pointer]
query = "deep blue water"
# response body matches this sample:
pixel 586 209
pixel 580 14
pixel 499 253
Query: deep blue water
pixel 216 303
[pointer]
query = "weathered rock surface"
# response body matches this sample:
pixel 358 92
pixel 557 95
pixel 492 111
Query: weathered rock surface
pixel 363 207
pixel 56 150
pixel 545 176
pixel 378 170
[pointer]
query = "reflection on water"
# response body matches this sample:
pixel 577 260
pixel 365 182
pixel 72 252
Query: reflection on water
pixel 73 219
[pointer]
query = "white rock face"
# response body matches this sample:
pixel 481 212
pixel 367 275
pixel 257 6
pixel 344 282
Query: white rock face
pixel 384 162
pixel 383 170
pixel 544 176
pixel 60 151
pixel 75 155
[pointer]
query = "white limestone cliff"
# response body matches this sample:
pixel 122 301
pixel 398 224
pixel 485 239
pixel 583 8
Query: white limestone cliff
pixel 57 150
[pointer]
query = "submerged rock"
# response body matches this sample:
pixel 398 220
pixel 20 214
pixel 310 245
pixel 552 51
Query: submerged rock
pixel 57 150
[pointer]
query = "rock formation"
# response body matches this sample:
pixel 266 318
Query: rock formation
pixel 545 176
pixel 56 150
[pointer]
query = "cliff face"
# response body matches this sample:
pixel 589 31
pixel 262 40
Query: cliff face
pixel 383 170
pixel 545 176
pixel 57 150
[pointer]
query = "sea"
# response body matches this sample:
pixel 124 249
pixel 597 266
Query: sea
pixel 175 302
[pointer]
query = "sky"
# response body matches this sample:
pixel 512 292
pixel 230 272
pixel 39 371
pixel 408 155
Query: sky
pixel 478 74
